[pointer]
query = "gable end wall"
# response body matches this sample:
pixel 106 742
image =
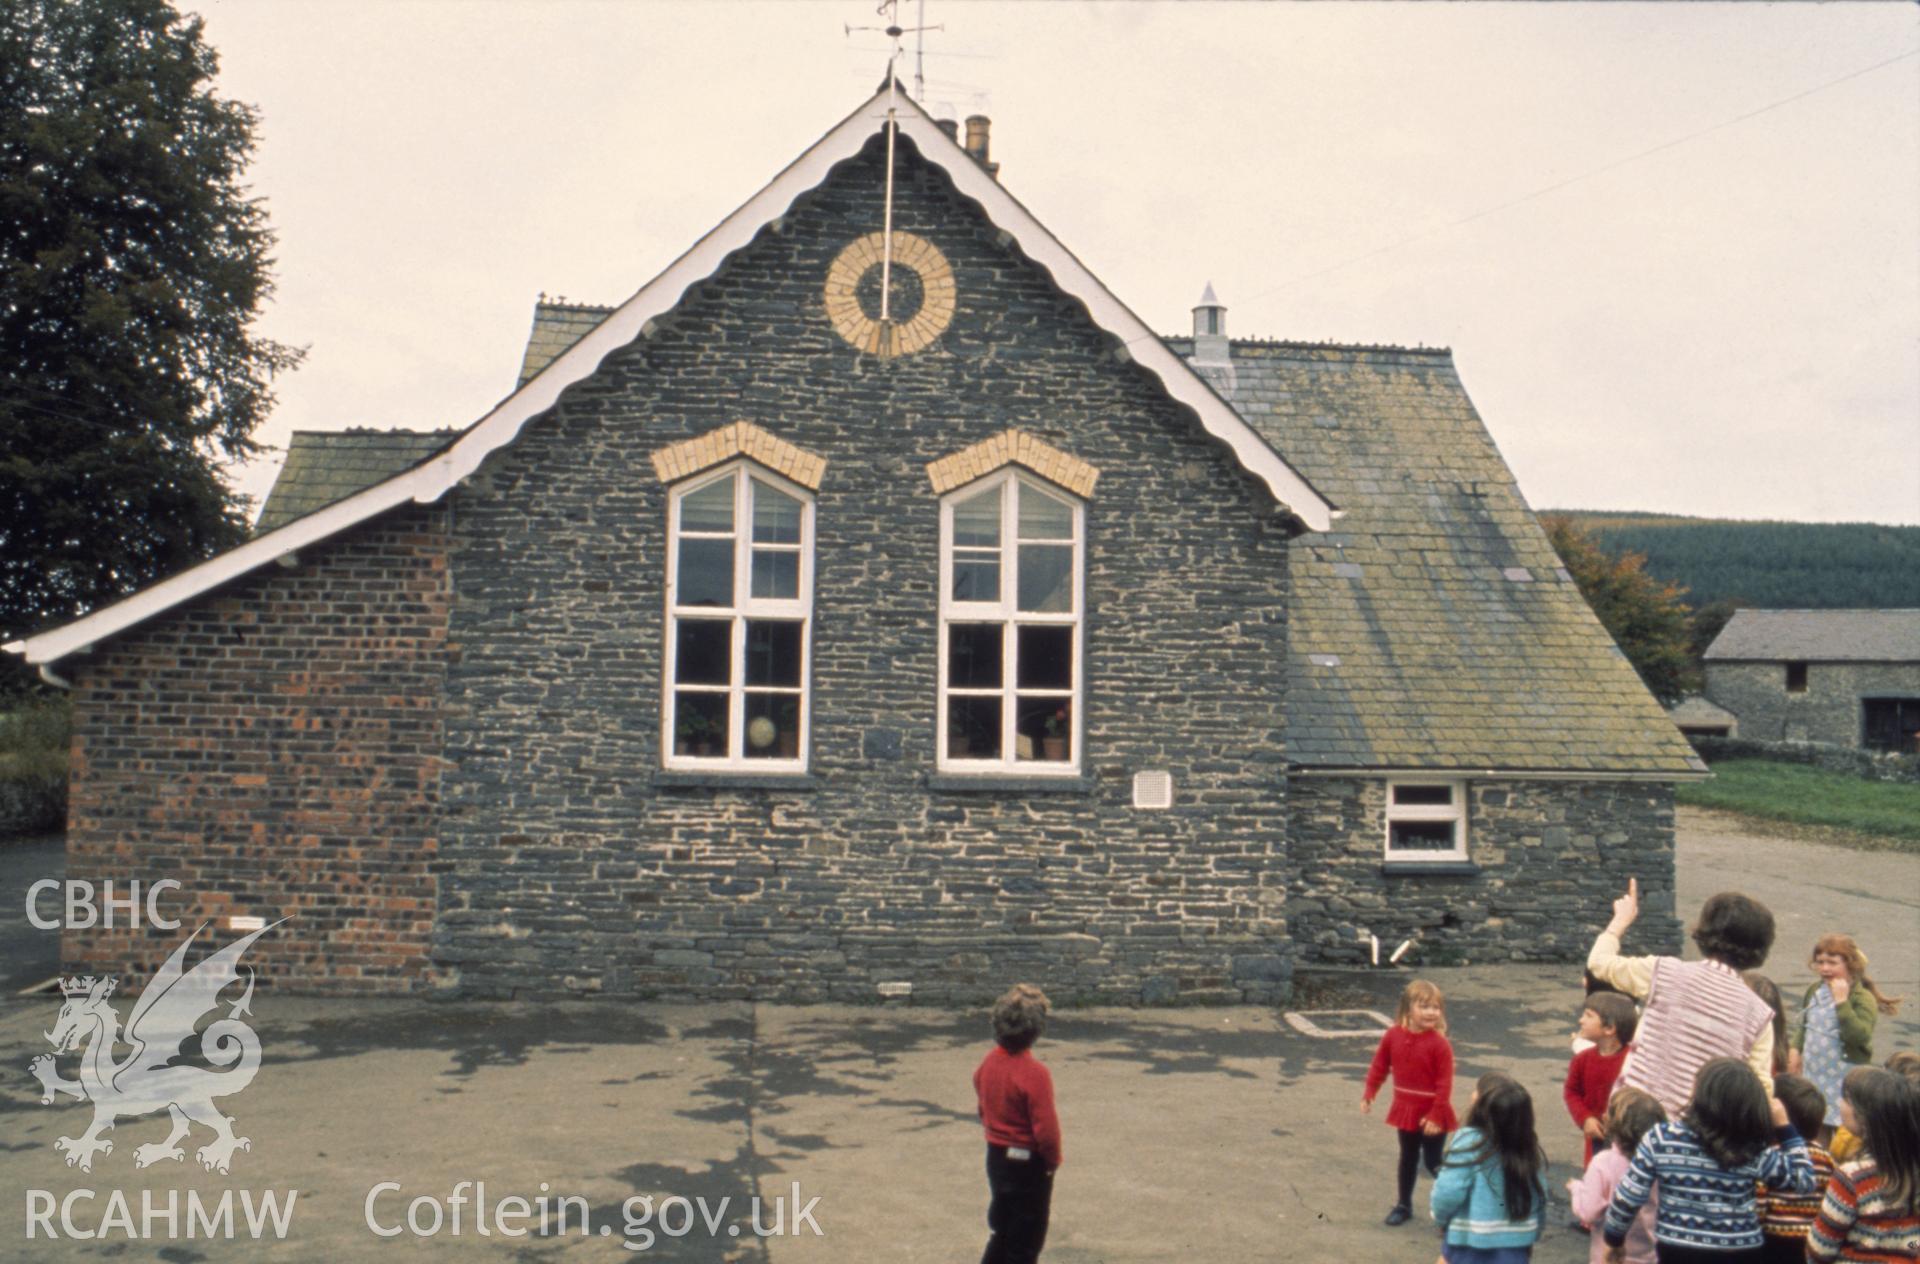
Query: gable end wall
pixel 574 866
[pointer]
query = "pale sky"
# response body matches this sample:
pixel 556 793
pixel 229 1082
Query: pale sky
pixel 1729 325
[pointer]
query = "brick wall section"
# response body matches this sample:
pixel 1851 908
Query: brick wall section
pixel 572 866
pixel 1829 711
pixel 1553 856
pixel 276 748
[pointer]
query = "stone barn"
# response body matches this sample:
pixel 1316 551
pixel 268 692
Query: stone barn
pixel 1836 677
pixel 873 604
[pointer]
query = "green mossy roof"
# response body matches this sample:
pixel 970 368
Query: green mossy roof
pixel 1432 626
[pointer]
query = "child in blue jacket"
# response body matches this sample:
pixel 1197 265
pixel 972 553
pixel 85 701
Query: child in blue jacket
pixel 1489 1196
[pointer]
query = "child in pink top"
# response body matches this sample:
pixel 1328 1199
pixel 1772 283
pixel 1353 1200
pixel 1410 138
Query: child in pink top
pixel 1629 1115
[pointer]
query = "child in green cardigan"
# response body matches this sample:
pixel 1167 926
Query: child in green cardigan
pixel 1835 1031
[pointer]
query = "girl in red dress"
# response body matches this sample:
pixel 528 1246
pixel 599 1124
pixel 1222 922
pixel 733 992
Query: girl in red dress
pixel 1416 1051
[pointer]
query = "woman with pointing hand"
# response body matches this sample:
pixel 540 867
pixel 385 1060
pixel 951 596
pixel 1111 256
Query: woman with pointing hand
pixel 1693 1011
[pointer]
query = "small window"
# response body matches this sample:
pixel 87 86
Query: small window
pixel 1426 820
pixel 1796 677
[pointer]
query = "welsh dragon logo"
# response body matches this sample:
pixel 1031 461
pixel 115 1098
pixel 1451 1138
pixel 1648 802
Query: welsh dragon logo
pixel 157 1073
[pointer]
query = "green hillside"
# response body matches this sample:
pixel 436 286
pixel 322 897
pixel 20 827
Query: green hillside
pixel 1792 565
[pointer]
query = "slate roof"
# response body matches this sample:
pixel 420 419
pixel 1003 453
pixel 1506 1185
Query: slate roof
pixel 1819 636
pixel 557 325
pixel 1698 710
pixel 1432 627
pixel 324 466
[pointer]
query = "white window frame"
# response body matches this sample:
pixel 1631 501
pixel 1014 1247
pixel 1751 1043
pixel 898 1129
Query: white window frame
pixel 1005 611
pixel 1454 812
pixel 745 607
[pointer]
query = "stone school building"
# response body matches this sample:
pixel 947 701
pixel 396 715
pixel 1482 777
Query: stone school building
pixel 874 605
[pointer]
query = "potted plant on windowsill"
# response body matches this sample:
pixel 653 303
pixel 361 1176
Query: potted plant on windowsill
pixel 697 734
pixel 1053 741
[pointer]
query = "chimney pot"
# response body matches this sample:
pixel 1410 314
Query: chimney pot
pixel 977 126
pixel 951 127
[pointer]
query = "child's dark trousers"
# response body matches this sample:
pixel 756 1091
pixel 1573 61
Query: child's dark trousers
pixel 1017 1216
pixel 1415 1146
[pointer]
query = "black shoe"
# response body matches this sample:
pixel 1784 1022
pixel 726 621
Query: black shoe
pixel 1400 1214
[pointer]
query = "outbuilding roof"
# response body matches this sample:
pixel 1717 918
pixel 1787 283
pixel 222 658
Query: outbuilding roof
pixel 1433 627
pixel 324 466
pixel 1819 636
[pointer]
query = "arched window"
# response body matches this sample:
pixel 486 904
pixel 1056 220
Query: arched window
pixel 739 605
pixel 1011 550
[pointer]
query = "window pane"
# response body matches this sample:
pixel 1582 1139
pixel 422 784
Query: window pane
pixel 1046 658
pixel 709 509
pixel 773 652
pixel 1423 795
pixel 699 723
pixel 974 653
pixel 976 577
pixel 776 573
pixel 1045 726
pixel 706 573
pixel 973 728
pixel 776 516
pixel 704 654
pixel 1046 577
pixel 976 520
pixel 773 726
pixel 1044 518
pixel 1420 836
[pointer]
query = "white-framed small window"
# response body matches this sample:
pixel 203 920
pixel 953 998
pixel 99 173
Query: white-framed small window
pixel 1012 553
pixel 1426 820
pixel 739 606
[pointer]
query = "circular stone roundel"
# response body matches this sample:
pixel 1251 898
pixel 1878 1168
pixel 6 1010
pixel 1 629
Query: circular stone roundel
pixel 919 305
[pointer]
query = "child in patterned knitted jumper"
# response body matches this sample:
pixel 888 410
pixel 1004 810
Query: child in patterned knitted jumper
pixel 1707 1165
pixel 1629 1116
pixel 1785 1216
pixel 1416 1052
pixel 1608 1021
pixel 1871 1212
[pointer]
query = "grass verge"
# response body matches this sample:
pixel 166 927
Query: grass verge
pixel 1887 811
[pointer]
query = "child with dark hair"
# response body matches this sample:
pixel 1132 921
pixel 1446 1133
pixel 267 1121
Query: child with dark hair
pixel 1488 1196
pixel 1845 1147
pixel 1416 1052
pixel 1015 1094
pixel 1785 1216
pixel 1693 1010
pixel 1871 1212
pixel 1629 1116
pixel 1608 1020
pixel 1708 1166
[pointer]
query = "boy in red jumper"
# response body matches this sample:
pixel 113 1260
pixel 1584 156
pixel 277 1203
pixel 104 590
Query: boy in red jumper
pixel 1023 1132
pixel 1608 1021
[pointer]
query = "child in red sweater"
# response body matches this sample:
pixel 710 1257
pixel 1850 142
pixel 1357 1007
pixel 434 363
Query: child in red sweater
pixel 1023 1132
pixel 1608 1021
pixel 1416 1051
